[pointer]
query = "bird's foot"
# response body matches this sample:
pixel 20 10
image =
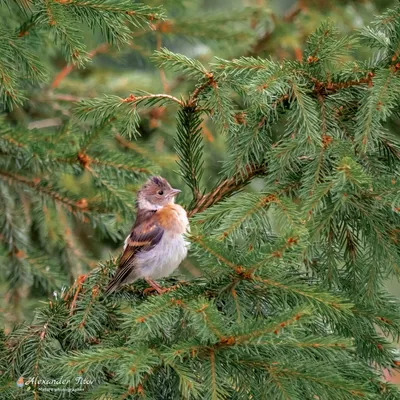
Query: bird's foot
pixel 159 291
pixel 155 287
pixel 148 290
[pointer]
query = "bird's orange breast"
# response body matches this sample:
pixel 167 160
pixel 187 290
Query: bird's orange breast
pixel 172 217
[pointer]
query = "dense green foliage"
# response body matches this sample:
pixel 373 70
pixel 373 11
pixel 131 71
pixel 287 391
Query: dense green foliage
pixel 69 174
pixel 291 302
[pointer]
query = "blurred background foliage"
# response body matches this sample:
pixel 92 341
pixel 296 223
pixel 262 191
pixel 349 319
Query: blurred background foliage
pixel 197 28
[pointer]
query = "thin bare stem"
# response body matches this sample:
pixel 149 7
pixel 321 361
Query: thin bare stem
pixel 135 99
pixel 70 67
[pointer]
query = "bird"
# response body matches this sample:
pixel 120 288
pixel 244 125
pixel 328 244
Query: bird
pixel 156 244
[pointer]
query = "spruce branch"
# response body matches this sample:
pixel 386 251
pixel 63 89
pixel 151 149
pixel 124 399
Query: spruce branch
pixel 178 62
pixel 112 20
pixel 189 148
pixel 152 99
pixel 326 88
pixel 121 111
pixel 227 217
pixel 76 207
pixel 226 188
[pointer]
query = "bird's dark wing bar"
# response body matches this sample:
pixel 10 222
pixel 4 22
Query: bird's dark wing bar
pixel 144 236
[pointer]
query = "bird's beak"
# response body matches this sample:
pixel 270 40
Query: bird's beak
pixel 174 192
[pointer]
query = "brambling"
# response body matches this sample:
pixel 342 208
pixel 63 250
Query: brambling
pixel 156 245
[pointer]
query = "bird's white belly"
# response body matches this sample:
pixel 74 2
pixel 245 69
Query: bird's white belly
pixel 163 259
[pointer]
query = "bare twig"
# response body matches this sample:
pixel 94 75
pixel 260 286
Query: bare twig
pixel 45 123
pixel 70 67
pixel 66 97
pixel 192 102
pixel 135 99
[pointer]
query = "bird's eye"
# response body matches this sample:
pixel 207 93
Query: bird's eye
pixel 160 192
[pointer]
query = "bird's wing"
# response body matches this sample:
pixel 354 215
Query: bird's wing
pixel 142 238
pixel 145 234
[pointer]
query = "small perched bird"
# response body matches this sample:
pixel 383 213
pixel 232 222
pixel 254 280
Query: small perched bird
pixel 156 245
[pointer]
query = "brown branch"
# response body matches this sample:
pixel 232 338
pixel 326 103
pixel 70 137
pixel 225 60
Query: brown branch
pixel 70 67
pixel 213 376
pixel 45 123
pixel 66 97
pixel 193 97
pixel 135 99
pixel 226 188
pixel 231 340
pixel 206 132
pixel 324 88
pixel 79 282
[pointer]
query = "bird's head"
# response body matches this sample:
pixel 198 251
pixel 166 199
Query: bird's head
pixel 155 194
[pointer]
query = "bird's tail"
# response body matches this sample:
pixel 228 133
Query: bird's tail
pixel 123 275
pixel 111 287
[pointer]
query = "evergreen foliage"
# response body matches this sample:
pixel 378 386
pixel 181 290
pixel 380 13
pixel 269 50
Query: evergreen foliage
pixel 291 303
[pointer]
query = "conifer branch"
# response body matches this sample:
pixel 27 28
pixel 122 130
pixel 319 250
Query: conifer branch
pixel 263 202
pixel 198 239
pixel 248 337
pixel 226 188
pixel 312 296
pixel 189 148
pixel 138 99
pixel 326 88
pixel 288 371
pixel 73 206
pixel 214 393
